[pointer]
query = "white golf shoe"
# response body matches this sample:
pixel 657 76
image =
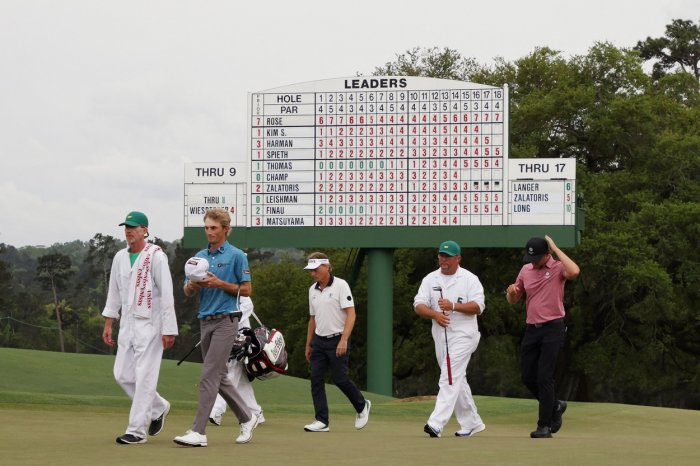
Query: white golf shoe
pixel 316 426
pixel 247 429
pixel 363 416
pixel 191 439
pixel 472 432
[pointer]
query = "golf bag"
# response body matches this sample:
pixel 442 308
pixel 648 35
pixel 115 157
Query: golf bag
pixel 262 351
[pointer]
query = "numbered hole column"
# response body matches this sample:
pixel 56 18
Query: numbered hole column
pixel 497 150
pixel 497 206
pixel 455 124
pixel 455 205
pixel 402 208
pixel 361 140
pixel 465 209
pixel 330 210
pixel 351 190
pixel 341 142
pixel 486 213
pixel 368 176
pixel 371 210
pixel 367 210
pixel 321 126
pixel 412 211
pixel 340 191
pixel 331 191
pixel 350 210
pixel 320 188
pixel 372 134
pixel 352 134
pixel 380 210
pixel 476 204
pixel 401 176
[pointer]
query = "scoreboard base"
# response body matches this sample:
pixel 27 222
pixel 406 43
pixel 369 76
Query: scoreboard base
pixel 388 237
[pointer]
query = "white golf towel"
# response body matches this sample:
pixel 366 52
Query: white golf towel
pixel 141 289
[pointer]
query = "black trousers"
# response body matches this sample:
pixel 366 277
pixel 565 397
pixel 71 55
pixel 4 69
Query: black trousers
pixel 539 351
pixel 322 357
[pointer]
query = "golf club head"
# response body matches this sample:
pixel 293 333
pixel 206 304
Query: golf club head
pixel 437 288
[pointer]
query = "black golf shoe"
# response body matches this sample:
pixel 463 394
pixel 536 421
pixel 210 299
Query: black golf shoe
pixel 542 432
pixel 130 439
pixel 556 416
pixel 430 431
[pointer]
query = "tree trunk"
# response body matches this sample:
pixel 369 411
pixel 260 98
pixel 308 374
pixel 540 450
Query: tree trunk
pixel 58 317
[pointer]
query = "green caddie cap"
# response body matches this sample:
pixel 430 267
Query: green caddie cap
pixel 135 219
pixel 450 248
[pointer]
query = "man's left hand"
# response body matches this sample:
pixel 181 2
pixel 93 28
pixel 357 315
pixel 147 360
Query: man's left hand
pixel 210 281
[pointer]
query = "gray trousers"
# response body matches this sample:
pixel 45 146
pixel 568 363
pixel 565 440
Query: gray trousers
pixel 217 339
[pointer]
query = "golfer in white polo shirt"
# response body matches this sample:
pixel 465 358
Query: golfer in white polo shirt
pixel 332 318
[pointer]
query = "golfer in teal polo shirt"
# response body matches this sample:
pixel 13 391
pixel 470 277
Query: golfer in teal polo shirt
pixel 228 276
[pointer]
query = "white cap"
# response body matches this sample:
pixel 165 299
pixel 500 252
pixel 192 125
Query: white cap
pixel 196 268
pixel 315 263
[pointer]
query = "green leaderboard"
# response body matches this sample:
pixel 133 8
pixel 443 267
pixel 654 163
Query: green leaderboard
pixel 383 162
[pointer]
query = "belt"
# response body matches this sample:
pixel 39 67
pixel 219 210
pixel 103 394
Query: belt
pixel 543 324
pixel 328 337
pixel 232 315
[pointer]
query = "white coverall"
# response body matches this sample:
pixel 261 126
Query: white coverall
pixel 462 338
pixel 140 343
pixel 236 370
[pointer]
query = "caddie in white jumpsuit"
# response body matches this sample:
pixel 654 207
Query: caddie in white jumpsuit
pixel 452 297
pixel 238 375
pixel 141 287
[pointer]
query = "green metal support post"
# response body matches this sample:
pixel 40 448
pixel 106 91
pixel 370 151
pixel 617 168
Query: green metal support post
pixel 380 321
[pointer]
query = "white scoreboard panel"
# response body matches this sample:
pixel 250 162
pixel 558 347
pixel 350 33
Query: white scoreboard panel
pixel 542 192
pixel 210 185
pixel 378 152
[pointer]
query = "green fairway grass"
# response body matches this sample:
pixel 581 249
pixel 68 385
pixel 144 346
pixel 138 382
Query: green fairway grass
pixel 66 409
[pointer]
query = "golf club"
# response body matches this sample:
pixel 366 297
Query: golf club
pixel 447 348
pixel 191 351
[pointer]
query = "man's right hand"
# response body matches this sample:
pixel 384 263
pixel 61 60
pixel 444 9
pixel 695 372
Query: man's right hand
pixel 442 319
pixel 107 335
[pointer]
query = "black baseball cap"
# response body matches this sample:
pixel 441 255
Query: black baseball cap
pixel 535 249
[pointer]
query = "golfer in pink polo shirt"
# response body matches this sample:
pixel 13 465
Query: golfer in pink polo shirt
pixel 542 281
